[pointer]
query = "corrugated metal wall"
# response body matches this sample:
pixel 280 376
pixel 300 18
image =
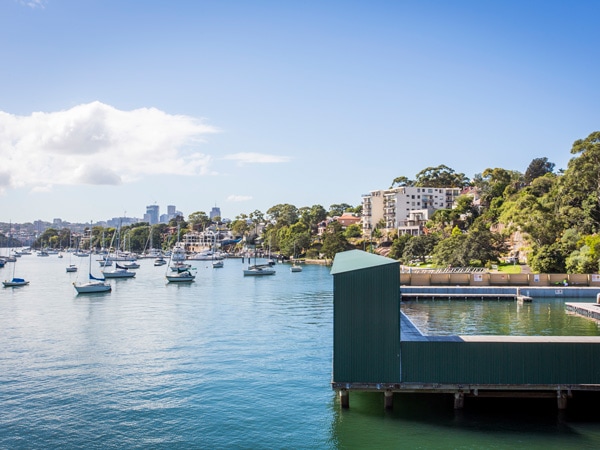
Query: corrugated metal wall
pixel 500 362
pixel 366 325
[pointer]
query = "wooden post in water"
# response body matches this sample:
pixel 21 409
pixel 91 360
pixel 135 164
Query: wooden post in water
pixel 344 398
pixel 459 400
pixel 561 397
pixel 388 399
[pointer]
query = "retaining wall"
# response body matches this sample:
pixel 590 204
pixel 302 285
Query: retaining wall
pixel 499 279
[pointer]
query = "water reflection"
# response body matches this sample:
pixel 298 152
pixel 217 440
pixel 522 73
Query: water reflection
pixel 542 317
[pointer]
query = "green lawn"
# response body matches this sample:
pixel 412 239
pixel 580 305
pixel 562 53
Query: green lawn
pixel 509 268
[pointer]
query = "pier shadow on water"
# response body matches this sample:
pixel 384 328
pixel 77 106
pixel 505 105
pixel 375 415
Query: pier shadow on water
pixel 429 421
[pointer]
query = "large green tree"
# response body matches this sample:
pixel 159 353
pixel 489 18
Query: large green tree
pixel 578 196
pixel 419 247
pixel 441 177
pixel 538 168
pixel 333 240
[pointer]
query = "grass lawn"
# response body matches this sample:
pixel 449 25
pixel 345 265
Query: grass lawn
pixel 509 268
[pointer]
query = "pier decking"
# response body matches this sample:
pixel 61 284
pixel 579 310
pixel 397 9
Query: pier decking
pixel 591 310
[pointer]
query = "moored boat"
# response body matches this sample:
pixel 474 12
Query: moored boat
pixel 259 270
pixel 15 282
pixel 93 285
pixel 118 272
pixel 181 276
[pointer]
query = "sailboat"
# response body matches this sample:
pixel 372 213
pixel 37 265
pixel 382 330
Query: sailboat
pixel 182 275
pixel 94 284
pixel 119 271
pixel 15 282
pixel 259 269
pixel 72 267
pixel 295 267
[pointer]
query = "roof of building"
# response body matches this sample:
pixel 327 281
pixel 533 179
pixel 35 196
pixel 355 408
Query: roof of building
pixel 358 259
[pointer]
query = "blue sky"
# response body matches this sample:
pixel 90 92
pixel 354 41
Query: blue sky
pixel 108 106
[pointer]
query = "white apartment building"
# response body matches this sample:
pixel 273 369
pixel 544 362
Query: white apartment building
pixel 405 208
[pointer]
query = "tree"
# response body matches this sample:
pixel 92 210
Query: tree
pixel 333 240
pixel 293 239
pixel 419 247
pixel 283 214
pixel 440 177
pixel 398 246
pixel 493 183
pixel 401 181
pixel 240 226
pixel 548 259
pixel 312 216
pixel 198 220
pixel 538 168
pixel 442 221
pixel 451 251
pixel 338 209
pixel 484 246
pixel 352 231
pixel 578 196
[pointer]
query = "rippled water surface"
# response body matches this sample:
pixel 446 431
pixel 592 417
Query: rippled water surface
pixel 225 362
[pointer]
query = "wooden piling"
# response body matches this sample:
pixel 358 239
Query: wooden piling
pixel 561 398
pixel 459 400
pixel 388 399
pixel 344 398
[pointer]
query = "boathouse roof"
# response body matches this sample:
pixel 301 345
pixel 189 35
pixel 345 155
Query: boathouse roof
pixel 356 260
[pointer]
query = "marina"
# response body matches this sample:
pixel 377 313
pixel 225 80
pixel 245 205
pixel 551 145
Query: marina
pixel 239 362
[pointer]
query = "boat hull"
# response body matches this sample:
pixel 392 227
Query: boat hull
pixel 89 288
pixel 123 274
pixel 15 283
pixel 258 272
pixel 176 279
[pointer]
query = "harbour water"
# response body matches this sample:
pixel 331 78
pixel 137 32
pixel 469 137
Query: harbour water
pixel 225 362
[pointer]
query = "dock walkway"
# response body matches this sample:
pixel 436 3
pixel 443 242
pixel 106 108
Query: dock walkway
pixel 591 310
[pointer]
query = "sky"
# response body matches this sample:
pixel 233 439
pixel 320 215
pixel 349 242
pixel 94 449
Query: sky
pixel 107 106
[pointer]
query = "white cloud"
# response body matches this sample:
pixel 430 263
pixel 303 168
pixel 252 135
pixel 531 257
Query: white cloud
pixel 95 143
pixel 33 3
pixel 256 158
pixel 239 198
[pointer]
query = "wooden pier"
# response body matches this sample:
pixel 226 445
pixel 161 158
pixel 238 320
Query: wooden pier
pixel 591 310
pixel 456 295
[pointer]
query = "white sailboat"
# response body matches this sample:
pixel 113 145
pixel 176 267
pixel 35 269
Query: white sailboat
pixel 93 285
pixel 72 267
pixel 259 269
pixel 181 276
pixel 295 267
pixel 15 282
pixel 119 271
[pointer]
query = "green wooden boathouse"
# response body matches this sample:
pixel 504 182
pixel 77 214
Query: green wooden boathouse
pixel 377 348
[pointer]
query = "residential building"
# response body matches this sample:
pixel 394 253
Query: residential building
pixel 406 208
pixel 348 219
